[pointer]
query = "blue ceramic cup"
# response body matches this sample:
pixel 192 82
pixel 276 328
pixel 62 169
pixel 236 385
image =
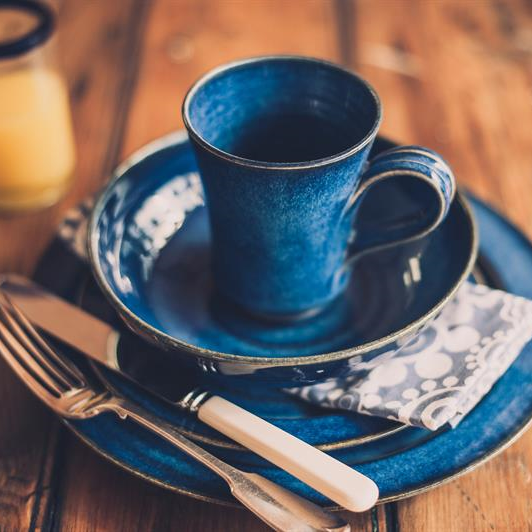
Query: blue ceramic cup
pixel 282 145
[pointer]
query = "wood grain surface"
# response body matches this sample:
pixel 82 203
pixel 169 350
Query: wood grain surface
pixel 453 75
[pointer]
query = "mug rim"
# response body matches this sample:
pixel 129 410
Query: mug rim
pixel 253 163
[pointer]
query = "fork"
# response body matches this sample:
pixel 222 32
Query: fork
pixel 61 385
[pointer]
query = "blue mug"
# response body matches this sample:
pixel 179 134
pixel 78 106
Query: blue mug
pixel 282 144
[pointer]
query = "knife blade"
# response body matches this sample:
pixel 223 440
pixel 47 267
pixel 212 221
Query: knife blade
pixel 63 320
pixel 97 340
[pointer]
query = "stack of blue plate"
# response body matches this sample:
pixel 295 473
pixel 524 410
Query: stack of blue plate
pixel 151 222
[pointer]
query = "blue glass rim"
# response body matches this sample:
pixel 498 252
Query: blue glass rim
pixel 33 38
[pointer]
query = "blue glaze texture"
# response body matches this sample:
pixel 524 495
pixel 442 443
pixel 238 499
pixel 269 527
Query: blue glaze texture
pixel 150 250
pixel 282 145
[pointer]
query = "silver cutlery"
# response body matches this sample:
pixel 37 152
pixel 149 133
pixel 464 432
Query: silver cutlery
pixel 65 389
pixel 96 339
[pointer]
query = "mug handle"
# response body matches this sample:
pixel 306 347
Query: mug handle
pixel 433 186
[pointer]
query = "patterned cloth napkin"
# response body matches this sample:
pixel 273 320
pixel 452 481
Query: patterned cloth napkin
pixel 436 378
pixel 444 372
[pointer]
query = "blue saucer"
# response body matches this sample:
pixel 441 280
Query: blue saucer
pixel 403 463
pixel 150 251
pixel 326 429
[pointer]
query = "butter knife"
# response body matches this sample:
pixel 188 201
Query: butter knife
pixel 97 340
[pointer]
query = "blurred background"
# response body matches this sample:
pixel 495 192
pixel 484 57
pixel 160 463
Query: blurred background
pixel 453 75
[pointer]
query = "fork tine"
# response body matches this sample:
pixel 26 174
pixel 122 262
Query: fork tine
pixel 25 358
pixel 29 336
pixel 13 334
pixel 64 404
pixel 28 378
pixel 15 338
pixel 57 382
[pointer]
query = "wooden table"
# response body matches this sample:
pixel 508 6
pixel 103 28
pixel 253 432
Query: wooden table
pixel 453 75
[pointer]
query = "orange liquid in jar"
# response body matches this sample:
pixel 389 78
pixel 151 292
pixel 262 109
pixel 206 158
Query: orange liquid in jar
pixel 37 154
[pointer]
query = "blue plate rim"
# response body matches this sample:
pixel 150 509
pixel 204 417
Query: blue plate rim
pixel 391 498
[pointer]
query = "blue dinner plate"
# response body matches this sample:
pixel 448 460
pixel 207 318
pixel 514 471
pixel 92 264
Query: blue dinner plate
pixel 402 463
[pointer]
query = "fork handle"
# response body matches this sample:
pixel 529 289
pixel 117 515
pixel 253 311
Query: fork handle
pixel 334 479
pixel 276 506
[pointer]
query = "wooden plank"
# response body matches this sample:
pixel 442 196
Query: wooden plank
pixel 458 80
pixel 94 44
pixel 27 434
pixel 495 497
pixel 183 39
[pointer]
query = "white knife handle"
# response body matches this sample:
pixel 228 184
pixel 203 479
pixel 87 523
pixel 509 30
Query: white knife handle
pixel 325 474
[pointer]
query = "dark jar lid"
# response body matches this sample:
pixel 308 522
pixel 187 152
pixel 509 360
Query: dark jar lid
pixel 24 25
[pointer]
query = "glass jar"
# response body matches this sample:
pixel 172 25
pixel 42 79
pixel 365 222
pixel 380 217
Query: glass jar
pixel 37 154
